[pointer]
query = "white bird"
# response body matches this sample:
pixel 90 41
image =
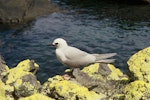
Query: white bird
pixel 75 58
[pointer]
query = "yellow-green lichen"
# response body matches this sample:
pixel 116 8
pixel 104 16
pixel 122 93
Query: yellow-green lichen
pixel 20 70
pixel 9 88
pixel 26 85
pixel 27 64
pixel 4 73
pixel 17 83
pixel 136 90
pixel 93 68
pixel 70 91
pixel 2 91
pixel 115 74
pixel 118 97
pixel 14 74
pixel 6 91
pixel 92 71
pixel 139 65
pixel 24 89
pixel 37 96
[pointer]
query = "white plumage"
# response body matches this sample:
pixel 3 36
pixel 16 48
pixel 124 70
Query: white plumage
pixel 74 57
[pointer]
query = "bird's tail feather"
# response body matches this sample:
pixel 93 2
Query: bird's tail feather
pixel 106 61
pixel 103 57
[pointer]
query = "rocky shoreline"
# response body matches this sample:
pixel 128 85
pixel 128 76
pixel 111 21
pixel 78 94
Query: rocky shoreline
pixel 95 82
pixel 14 12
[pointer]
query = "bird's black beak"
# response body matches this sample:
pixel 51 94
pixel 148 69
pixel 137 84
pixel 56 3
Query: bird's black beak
pixel 51 45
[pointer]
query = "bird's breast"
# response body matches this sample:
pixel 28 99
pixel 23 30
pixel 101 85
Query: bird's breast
pixel 60 56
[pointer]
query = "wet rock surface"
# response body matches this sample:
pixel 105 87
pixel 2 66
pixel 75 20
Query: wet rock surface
pixel 14 12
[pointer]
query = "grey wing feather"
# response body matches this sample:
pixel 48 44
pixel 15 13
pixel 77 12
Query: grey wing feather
pixel 77 58
pixel 74 53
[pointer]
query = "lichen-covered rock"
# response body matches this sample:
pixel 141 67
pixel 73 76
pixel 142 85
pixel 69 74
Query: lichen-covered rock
pixel 92 71
pixel 116 74
pixel 104 72
pixel 26 86
pixel 37 96
pixel 102 78
pixel 28 66
pixel 6 91
pixel 22 78
pixel 23 68
pixel 139 65
pixel 137 90
pixel 14 74
pixel 2 91
pixel 62 89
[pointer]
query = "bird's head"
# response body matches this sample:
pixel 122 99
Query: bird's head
pixel 59 42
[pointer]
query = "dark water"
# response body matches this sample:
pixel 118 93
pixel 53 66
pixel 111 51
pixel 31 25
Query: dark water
pixel 80 28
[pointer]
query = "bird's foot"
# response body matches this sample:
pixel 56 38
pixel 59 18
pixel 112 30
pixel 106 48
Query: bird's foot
pixel 66 77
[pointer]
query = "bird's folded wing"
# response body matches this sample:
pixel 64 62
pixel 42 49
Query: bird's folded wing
pixel 74 53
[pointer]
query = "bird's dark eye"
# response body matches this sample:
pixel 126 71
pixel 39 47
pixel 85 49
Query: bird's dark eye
pixel 56 43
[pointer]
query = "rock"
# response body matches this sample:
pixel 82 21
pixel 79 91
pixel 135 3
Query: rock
pixel 61 89
pixel 19 12
pixel 3 68
pixel 105 72
pixel 37 96
pixel 26 86
pixel 148 1
pixel 2 91
pixel 26 67
pixel 94 82
pixel 139 65
pixel 137 90
pixel 22 78
pixel 103 79
pixel 6 91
